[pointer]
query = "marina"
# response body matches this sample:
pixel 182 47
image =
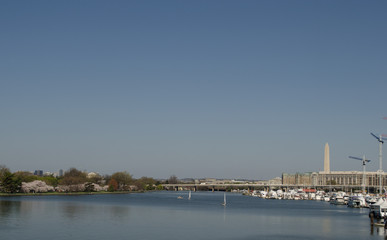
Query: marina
pixel 353 200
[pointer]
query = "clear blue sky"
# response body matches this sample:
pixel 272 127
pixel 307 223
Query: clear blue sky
pixel 225 89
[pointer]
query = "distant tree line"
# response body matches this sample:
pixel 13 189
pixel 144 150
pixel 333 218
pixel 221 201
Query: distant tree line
pixel 75 180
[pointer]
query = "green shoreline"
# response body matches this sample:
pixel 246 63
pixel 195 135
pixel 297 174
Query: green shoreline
pixel 66 193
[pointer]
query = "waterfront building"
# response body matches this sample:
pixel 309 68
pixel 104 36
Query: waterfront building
pixel 297 179
pixel 332 178
pixel 342 178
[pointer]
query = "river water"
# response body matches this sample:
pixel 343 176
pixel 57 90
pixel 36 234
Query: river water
pixel 161 215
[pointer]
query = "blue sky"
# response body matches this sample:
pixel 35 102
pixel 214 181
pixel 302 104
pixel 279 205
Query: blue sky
pixel 225 89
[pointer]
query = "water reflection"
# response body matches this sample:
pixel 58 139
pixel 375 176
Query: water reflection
pixel 16 208
pixel 119 213
pixel 9 214
pixel 327 225
pixel 8 208
pixel 74 211
pixel 162 216
pixel 380 231
pixel 80 212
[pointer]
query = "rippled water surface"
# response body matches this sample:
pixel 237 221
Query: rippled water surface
pixel 161 215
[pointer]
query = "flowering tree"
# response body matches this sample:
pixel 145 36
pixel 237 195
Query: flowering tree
pixel 36 186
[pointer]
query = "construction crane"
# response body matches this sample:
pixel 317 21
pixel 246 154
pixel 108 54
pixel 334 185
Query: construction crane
pixel 380 139
pixel 364 160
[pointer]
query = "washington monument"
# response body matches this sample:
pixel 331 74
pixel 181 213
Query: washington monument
pixel 326 159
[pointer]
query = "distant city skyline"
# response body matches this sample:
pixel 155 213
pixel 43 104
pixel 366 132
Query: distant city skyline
pixel 220 89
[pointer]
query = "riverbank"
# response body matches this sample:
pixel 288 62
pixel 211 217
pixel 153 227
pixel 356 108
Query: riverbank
pixel 65 193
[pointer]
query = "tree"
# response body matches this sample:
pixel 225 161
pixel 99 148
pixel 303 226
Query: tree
pixel 113 185
pixel 26 176
pixel 106 178
pixel 96 178
pixel 50 180
pixel 89 187
pixel 172 179
pixel 36 187
pixel 124 180
pixel 29 177
pixel 3 170
pixel 73 177
pixel 9 182
pixel 145 183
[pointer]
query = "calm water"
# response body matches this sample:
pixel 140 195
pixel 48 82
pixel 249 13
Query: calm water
pixel 160 215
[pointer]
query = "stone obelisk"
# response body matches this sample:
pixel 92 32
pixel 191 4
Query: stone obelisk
pixel 326 159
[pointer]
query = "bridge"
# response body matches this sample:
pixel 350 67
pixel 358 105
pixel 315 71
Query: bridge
pixel 255 186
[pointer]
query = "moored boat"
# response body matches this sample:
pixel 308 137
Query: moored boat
pixel 379 209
